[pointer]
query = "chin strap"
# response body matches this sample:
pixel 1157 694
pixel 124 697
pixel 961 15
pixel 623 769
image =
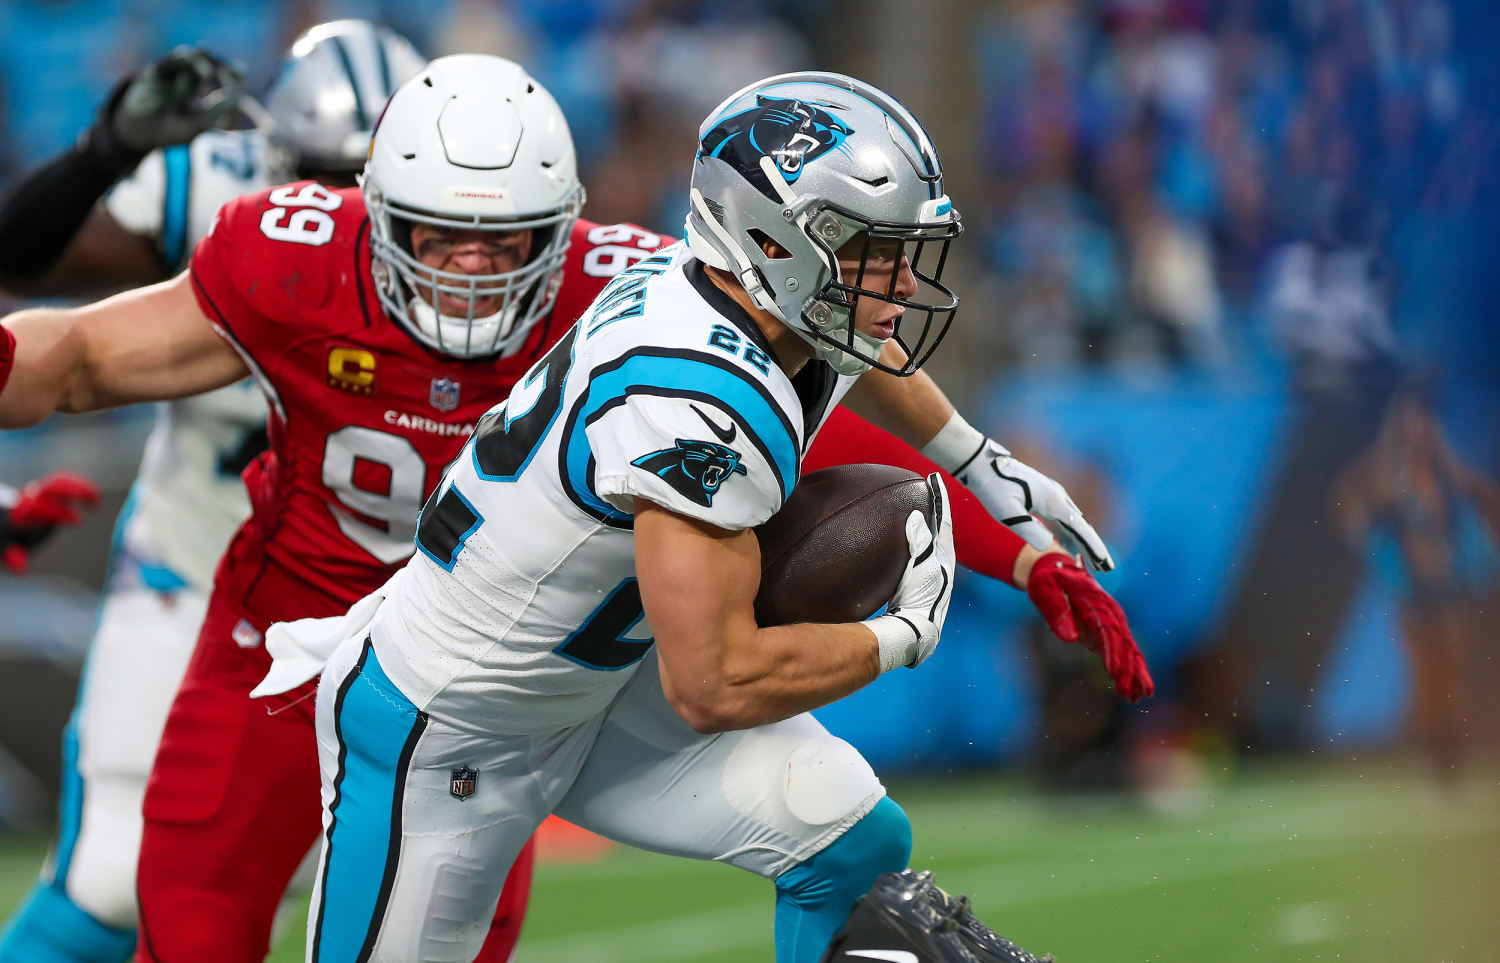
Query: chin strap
pixel 427 318
pixel 743 270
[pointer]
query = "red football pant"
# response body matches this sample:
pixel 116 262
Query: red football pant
pixel 232 806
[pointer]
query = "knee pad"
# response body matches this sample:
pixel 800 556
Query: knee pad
pixel 845 870
pixel 800 782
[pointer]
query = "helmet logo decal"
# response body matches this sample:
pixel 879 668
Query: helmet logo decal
pixel 793 133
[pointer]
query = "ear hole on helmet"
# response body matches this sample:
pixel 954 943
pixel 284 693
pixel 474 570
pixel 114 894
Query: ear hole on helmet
pixel 768 245
pixel 541 241
pixel 401 233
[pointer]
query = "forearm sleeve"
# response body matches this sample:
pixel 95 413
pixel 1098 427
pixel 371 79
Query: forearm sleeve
pixel 40 215
pixel 983 544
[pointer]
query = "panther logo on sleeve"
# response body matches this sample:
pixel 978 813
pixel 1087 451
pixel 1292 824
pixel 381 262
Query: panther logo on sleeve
pixel 695 468
pixel 790 132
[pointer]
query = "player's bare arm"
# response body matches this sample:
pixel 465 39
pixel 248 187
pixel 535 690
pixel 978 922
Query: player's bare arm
pixel 915 409
pixel 150 344
pixel 1074 605
pixel 720 670
pixel 912 408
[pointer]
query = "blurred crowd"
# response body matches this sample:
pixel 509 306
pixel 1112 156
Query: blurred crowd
pixel 1192 180
pixel 1160 180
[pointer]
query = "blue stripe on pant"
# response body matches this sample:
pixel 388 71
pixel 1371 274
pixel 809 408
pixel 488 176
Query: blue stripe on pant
pixel 70 803
pixel 378 729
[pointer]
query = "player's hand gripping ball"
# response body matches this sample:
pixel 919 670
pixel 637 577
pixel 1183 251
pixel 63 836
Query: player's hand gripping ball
pixel 920 605
pixel 837 550
pixel 40 507
pixel 855 539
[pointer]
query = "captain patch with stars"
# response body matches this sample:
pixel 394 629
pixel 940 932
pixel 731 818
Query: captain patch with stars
pixel 695 468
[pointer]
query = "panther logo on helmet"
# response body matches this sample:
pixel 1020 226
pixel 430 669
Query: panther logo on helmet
pixel 793 133
pixel 694 468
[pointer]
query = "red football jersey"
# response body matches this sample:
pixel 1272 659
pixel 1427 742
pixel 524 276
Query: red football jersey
pixel 363 418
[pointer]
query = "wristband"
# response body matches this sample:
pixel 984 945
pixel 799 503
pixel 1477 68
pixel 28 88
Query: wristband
pixel 897 638
pixel 7 354
pixel 955 445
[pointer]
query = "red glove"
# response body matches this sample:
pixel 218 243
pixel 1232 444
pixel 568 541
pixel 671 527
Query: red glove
pixel 1066 594
pixel 41 506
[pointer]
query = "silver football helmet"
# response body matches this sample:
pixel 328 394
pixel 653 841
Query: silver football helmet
pixel 817 162
pixel 333 85
pixel 471 143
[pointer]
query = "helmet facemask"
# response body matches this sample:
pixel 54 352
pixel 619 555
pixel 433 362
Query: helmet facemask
pixel 410 290
pixel 829 314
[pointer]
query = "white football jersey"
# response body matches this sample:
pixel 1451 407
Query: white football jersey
pixel 188 499
pixel 521 612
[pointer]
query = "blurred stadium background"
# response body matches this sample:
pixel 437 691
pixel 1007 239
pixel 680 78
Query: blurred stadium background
pixel 1227 275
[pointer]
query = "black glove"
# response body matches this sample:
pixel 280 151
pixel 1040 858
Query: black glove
pixel 169 102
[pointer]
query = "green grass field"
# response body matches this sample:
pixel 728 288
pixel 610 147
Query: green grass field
pixel 1349 860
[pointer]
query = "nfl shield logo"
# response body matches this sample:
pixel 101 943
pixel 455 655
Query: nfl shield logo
pixel 444 394
pixel 462 786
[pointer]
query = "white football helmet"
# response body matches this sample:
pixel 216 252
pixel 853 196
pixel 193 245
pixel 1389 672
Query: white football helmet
pixel 471 142
pixel 333 84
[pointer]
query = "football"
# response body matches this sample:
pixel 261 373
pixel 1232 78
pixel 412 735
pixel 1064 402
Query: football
pixel 836 550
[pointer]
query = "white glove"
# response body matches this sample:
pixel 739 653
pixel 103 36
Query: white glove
pixel 1013 492
pixel 908 631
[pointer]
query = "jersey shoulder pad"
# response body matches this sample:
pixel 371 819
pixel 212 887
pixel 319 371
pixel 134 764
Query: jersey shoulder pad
pixel 227 164
pixel 136 201
pixel 728 462
pixel 596 254
pixel 681 417
pixel 173 192
pixel 280 252
pixel 235 156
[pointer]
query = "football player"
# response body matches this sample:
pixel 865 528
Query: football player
pixel 166 174
pixel 375 492
pixel 607 666
pixel 380 323
pixel 29 516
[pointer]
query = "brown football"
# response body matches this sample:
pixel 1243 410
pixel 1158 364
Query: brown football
pixel 837 549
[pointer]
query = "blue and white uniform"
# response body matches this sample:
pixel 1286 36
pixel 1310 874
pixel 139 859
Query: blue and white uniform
pixel 509 673
pixel 185 505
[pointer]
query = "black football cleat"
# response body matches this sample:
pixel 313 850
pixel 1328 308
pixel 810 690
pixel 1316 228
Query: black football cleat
pixel 905 918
